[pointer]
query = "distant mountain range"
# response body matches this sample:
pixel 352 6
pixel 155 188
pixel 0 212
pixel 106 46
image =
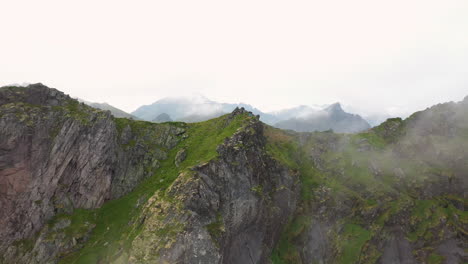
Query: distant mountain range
pixel 332 117
pixel 198 108
pixel 107 107
pixel 193 109
pixel 302 118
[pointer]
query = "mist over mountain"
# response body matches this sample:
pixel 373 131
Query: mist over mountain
pixel 193 108
pixel 301 118
pixel 179 107
pixel 332 117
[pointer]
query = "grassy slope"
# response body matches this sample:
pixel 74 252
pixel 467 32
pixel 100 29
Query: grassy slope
pixel 348 174
pixel 114 229
pixel 286 150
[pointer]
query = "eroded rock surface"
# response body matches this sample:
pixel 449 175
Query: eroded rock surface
pixel 57 155
pixel 232 209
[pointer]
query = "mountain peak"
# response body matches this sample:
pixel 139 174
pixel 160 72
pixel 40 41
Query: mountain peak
pixel 163 117
pixel 240 111
pixel 35 94
pixel 336 107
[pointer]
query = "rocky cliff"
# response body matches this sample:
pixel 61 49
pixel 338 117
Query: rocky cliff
pixel 69 172
pixel 57 155
pixel 78 185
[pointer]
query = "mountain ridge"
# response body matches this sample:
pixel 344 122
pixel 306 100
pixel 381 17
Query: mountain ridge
pixel 107 107
pixel 227 190
pixel 302 118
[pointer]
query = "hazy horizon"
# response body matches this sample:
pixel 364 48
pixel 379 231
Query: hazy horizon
pixel 374 57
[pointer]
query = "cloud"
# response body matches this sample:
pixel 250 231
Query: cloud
pixel 272 54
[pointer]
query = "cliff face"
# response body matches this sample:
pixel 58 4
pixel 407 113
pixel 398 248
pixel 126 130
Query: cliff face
pixel 229 210
pixel 57 155
pixel 62 160
pixel 80 186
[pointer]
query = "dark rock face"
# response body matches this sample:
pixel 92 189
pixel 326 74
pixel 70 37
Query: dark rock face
pixel 180 157
pixel 36 94
pixel 256 197
pixel 317 245
pixel 397 249
pixel 57 155
pixel 234 208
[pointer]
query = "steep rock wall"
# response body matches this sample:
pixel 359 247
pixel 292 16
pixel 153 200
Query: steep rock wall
pixel 57 155
pixel 230 210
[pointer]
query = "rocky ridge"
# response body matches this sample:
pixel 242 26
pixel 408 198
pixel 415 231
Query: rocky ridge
pixel 57 155
pixel 78 185
pixel 229 210
pixel 77 190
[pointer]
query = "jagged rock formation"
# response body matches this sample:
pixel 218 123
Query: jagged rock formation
pixel 78 185
pixel 232 209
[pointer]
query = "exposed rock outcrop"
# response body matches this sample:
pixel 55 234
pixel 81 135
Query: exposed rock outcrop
pixel 232 209
pixel 57 154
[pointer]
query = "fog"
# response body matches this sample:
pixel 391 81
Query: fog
pixel 377 57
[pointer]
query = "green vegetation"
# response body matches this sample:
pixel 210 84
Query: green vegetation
pixel 258 190
pixel 25 245
pixel 429 214
pixel 435 259
pixel 351 242
pixel 80 222
pixel 371 137
pixel 379 174
pixel 286 251
pixel 23 112
pixel 79 111
pixel 391 130
pixel 283 148
pixel 114 231
pixel 216 228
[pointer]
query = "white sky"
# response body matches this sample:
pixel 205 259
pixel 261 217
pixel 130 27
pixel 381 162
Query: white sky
pixel 376 55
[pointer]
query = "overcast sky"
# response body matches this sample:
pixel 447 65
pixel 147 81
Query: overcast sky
pixel 397 56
